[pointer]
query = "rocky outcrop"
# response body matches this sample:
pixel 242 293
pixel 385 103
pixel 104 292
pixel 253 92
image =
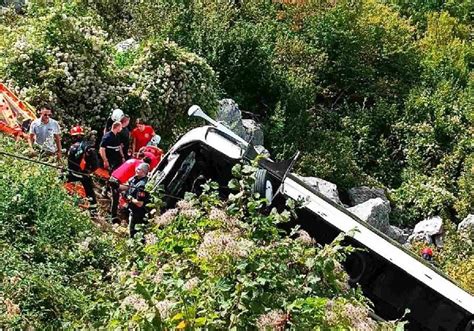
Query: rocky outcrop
pixel 398 234
pixel 361 194
pixel 253 132
pixel 229 113
pixel 429 230
pixel 324 187
pixel 375 212
pixel 467 226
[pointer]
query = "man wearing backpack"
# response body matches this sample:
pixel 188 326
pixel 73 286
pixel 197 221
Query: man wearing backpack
pixel 82 161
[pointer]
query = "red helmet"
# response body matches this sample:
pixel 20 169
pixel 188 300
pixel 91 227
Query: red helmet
pixel 427 251
pixel 76 131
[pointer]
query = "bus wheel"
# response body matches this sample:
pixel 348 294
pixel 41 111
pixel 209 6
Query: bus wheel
pixel 263 185
pixel 356 266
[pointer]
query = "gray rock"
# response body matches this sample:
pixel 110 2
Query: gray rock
pixel 467 226
pixel 324 187
pixel 231 116
pixel 126 45
pixel 18 4
pixel 375 212
pixel 397 234
pixel 253 131
pixel 429 230
pixel 358 195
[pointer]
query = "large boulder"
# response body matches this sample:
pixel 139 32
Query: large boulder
pixel 375 212
pixel 253 132
pixel 467 226
pixel 229 113
pixel 397 234
pixel 361 194
pixel 429 230
pixel 328 189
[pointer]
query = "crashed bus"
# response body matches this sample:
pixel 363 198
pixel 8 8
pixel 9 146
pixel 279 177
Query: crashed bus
pixel 393 278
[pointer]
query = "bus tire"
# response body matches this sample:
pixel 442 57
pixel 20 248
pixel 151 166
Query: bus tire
pixel 357 266
pixel 263 185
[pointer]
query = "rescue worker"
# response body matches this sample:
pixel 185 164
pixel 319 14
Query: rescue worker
pixel 141 135
pixel 137 198
pixel 115 116
pixel 44 132
pixel 427 254
pixel 124 136
pixel 82 161
pixel 154 157
pixel 120 176
pixel 111 149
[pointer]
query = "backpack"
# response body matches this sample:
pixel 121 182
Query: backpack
pixel 83 158
pixel 91 159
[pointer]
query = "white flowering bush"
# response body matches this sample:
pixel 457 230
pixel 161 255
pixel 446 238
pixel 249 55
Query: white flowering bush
pixel 63 59
pixel 60 55
pixel 165 80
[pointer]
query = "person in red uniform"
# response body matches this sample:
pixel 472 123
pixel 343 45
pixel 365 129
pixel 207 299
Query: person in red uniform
pixel 153 153
pixel 141 135
pixel 427 254
pixel 119 177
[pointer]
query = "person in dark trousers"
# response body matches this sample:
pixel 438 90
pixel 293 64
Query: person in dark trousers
pixel 82 161
pixel 124 136
pixel 137 197
pixel 111 148
pixel 121 176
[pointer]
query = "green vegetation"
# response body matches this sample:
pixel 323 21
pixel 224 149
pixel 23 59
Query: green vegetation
pixel 382 90
pixel 53 258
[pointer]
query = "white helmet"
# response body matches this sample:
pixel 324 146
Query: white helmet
pixel 155 140
pixel 117 115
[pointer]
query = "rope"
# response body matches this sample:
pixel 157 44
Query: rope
pixel 65 169
pixel 43 163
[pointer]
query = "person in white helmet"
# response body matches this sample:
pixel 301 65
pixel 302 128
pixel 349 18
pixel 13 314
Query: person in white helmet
pixel 115 116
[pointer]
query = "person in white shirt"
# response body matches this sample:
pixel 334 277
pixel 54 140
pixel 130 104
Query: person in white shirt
pixel 45 133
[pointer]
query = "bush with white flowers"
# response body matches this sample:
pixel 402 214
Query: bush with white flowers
pixel 64 60
pixel 165 81
pixel 68 61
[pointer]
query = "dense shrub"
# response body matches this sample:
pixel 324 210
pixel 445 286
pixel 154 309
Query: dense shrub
pixel 67 60
pixel 456 258
pixel 53 258
pixel 63 59
pixel 216 264
pixel 165 81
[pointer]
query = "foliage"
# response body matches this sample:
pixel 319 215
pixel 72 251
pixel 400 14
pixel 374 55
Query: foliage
pixel 207 263
pixel 53 257
pixel 217 264
pixel 61 58
pixel 66 59
pixel 370 92
pixel 164 81
pixel 382 89
pixel 457 257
